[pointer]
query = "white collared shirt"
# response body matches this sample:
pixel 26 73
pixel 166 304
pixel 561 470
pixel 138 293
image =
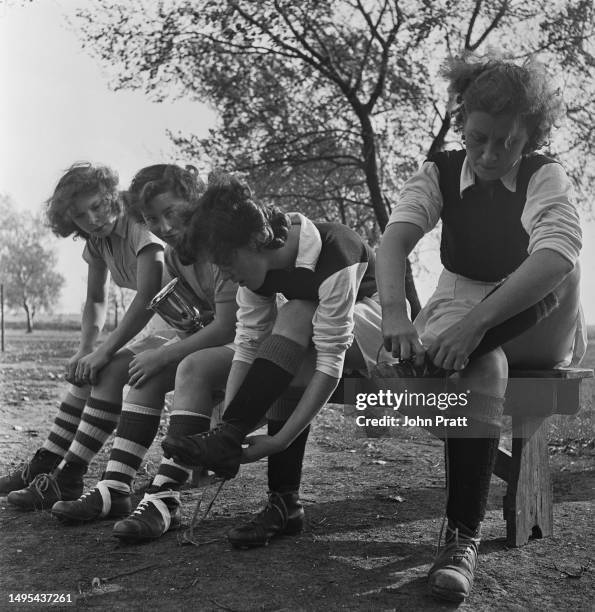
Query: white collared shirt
pixel 549 216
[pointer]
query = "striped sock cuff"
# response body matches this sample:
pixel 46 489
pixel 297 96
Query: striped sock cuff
pixel 170 472
pixel 104 406
pixel 132 408
pixel 283 352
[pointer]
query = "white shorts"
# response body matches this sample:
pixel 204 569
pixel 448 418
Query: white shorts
pixel 456 295
pixel 367 330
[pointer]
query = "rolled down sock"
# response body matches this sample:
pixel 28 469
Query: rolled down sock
pixel 277 362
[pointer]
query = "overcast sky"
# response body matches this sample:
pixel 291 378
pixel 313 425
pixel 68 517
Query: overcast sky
pixel 56 108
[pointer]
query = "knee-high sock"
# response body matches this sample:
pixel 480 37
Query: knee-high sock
pixel 277 362
pixel 182 423
pixel 67 420
pixel 285 468
pixel 98 420
pixel 136 431
pixel 471 462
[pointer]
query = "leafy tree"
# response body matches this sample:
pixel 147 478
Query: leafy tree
pixel 27 262
pixel 328 106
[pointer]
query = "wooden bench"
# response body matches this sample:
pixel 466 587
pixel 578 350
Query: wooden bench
pixel 532 396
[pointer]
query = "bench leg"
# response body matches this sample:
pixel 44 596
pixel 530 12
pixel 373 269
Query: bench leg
pixel 528 504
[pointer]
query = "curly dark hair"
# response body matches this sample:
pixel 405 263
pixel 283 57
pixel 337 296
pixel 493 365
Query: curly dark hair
pixel 228 218
pixel 498 86
pixel 155 180
pixel 81 179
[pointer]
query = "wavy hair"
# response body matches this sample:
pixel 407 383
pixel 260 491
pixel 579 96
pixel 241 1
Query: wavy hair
pixel 81 179
pixel 228 218
pixel 152 181
pixel 498 86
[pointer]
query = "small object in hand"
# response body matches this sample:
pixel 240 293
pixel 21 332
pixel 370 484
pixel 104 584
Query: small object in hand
pixel 176 305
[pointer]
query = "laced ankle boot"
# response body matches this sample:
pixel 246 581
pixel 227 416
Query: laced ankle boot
pixel 451 575
pixel 283 515
pixel 219 450
pixel 47 489
pixel 100 502
pixel 43 462
pixel 157 513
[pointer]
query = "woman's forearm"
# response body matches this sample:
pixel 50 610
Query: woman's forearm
pixel 136 317
pixel 92 323
pixel 391 262
pixel 238 372
pixel 315 396
pixel 214 334
pixel 537 276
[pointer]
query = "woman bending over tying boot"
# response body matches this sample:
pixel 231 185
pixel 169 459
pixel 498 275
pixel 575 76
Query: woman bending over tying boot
pixel 326 272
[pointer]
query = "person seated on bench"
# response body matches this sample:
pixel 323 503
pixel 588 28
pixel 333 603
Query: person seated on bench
pixel 510 240
pixel 326 273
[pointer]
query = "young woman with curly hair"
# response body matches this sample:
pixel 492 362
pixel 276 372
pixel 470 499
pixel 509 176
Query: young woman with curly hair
pixel 194 365
pixel 510 244
pixel 87 203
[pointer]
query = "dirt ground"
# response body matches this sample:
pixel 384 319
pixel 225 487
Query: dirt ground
pixel 374 509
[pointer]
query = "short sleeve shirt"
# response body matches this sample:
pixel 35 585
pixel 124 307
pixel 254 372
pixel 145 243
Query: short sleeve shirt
pixel 204 278
pixel 119 251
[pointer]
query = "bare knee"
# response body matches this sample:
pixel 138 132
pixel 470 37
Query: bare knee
pixel 115 373
pixel 294 321
pixel 193 371
pixel 488 373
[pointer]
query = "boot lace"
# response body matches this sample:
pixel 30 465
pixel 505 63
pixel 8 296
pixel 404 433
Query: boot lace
pixel 42 482
pixel 460 546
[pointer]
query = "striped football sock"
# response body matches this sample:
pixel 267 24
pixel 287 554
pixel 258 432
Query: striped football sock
pixel 98 420
pixel 136 432
pixel 67 420
pixel 182 423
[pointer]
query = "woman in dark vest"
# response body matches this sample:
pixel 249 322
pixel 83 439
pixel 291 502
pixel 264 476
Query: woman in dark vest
pixel 510 238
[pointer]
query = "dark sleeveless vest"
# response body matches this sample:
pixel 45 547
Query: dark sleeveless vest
pixel 482 235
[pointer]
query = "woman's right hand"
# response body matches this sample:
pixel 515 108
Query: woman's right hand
pixel 401 338
pixel 70 374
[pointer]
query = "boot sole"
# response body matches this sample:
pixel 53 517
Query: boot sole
pixel 68 519
pixel 247 545
pixel 137 538
pixel 444 594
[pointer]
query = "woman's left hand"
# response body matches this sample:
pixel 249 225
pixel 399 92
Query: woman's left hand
pixel 259 447
pixel 144 366
pixel 451 349
pixel 89 366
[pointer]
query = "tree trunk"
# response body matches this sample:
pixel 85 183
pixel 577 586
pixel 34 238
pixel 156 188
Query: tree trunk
pixel 438 142
pixel 29 317
pixel 378 203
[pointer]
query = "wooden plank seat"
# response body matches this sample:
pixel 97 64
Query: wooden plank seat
pixel 532 396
